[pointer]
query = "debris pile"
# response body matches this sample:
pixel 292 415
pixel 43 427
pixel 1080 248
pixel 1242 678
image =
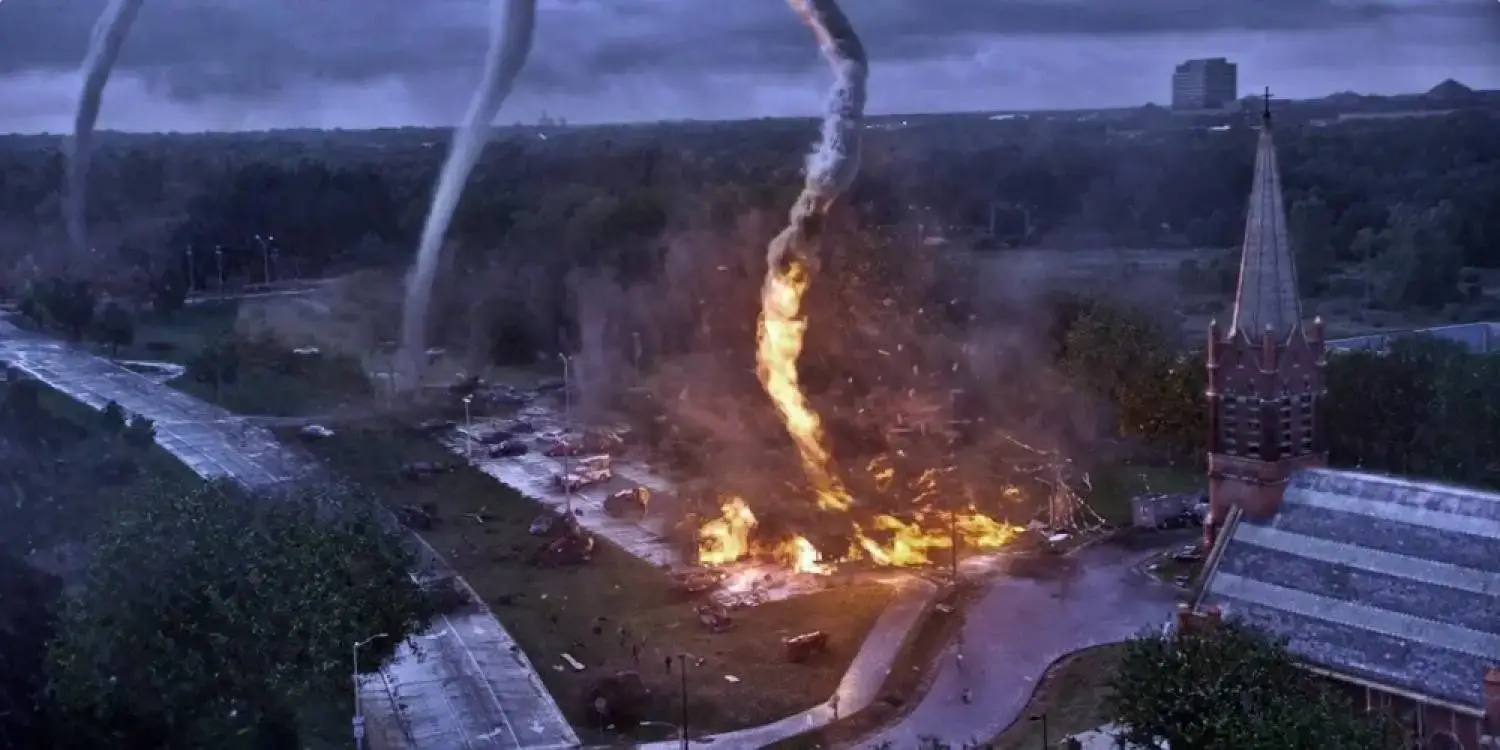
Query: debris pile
pixel 714 619
pixel 420 517
pixel 800 648
pixel 631 503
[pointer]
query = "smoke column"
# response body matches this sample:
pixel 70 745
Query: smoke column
pixel 512 23
pixel 791 258
pixel 104 48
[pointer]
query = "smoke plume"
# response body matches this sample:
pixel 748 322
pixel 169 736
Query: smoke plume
pixel 792 258
pixel 104 48
pixel 512 23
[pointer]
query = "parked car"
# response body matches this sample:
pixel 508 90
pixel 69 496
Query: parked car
pixel 589 470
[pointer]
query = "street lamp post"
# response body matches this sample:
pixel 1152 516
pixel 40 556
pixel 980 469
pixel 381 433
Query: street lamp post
pixel 567 436
pixel 359 716
pixel 1046 743
pixel 682 664
pixel 468 428
pixel 265 257
pixel 191 275
pixel 219 256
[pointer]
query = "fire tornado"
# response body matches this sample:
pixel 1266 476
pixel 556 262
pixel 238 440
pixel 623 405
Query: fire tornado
pixel 792 258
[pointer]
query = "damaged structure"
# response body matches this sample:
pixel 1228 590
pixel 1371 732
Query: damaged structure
pixel 1388 587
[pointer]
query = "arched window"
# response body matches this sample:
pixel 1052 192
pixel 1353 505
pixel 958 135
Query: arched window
pixel 1443 741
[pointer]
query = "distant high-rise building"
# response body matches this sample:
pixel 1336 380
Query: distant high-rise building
pixel 1205 84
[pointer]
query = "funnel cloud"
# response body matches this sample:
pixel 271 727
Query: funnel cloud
pixel 105 42
pixel 512 25
pixel 791 259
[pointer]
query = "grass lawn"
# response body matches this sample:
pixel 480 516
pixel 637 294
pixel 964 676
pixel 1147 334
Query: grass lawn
pixel 606 611
pixel 1071 696
pixel 910 676
pixel 1115 485
pixel 271 381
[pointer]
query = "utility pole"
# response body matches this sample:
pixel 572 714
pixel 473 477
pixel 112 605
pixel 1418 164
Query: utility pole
pixel 682 664
pixel 1046 743
pixel 265 257
pixel 568 446
pixel 953 543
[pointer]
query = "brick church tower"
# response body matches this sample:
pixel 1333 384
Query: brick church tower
pixel 1265 373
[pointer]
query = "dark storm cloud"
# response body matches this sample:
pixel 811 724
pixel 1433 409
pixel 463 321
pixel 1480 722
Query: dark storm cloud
pixel 194 48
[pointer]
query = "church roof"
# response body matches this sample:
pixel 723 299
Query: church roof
pixel 1267 294
pixel 1385 580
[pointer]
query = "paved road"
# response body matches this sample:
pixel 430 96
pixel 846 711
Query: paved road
pixel 1017 629
pixel 471 688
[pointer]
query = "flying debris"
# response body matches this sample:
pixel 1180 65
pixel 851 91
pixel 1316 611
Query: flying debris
pixel 791 258
pixel 512 24
pixel 105 42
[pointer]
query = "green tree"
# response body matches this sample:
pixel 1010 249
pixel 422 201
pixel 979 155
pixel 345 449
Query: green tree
pixel 1421 265
pixel 216 615
pixel 140 432
pixel 114 419
pixel 1128 360
pixel 116 327
pixel 1230 686
pixel 68 303
pixel 217 364
pixel 1311 227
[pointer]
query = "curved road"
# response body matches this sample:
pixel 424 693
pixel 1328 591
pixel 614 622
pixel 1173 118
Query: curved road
pixel 1018 628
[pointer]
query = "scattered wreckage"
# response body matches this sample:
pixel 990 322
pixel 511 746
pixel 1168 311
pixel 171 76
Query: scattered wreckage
pixel 420 517
pixel 567 543
pixel 419 470
pixel 619 700
pixel 715 619
pixel 697 581
pixel 800 648
pixel 631 503
pixel 589 471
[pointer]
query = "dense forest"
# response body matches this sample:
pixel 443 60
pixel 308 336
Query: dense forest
pixel 1409 197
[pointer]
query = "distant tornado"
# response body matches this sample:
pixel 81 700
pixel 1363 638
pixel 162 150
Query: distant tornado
pixel 104 48
pixel 512 23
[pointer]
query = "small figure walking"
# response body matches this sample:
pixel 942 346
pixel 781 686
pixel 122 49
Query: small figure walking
pixel 968 696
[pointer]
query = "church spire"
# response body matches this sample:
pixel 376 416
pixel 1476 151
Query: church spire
pixel 1267 296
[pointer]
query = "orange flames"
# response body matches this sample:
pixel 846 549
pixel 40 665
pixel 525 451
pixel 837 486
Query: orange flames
pixel 726 540
pixel 779 341
pixel 778 346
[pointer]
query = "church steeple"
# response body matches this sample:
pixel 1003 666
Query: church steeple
pixel 1265 374
pixel 1267 297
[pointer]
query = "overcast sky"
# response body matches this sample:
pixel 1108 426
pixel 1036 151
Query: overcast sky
pixel 251 64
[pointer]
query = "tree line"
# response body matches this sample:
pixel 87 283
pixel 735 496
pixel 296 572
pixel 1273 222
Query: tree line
pixel 1423 407
pixel 179 212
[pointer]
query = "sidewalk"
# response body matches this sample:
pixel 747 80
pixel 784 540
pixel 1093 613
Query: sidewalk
pixel 856 691
pixel 470 688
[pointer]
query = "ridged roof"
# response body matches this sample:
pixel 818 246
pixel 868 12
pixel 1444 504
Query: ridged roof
pixel 1388 580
